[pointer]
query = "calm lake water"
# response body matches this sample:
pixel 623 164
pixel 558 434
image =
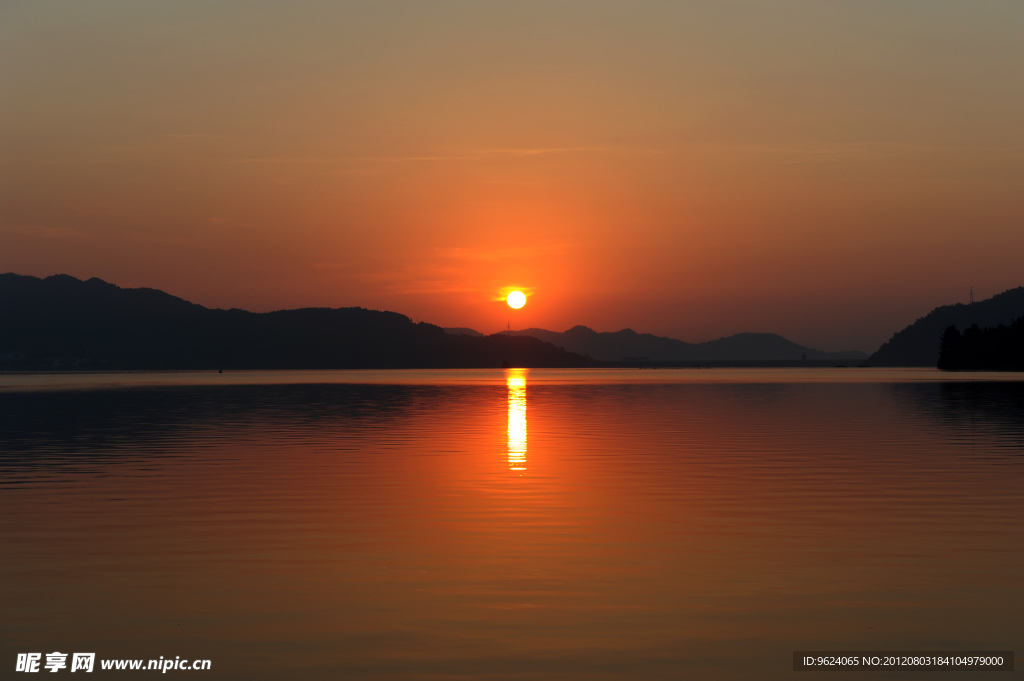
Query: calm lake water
pixel 671 524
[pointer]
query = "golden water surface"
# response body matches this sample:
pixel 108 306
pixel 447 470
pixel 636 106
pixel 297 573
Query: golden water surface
pixel 510 525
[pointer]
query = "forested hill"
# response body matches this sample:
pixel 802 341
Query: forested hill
pixel 918 343
pixel 61 322
pixel 976 349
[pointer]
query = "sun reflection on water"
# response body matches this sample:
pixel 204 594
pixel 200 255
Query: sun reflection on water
pixel 516 380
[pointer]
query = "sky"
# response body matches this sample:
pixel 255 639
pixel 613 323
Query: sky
pixel 829 171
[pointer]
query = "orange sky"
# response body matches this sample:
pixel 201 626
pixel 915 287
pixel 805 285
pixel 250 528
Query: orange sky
pixel 827 171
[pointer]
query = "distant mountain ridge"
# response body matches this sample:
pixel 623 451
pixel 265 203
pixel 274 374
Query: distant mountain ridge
pixel 918 343
pixel 616 346
pixel 61 322
pixel 461 331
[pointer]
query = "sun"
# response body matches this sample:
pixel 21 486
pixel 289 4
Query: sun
pixel 516 299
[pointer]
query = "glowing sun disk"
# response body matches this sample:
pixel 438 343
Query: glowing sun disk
pixel 516 299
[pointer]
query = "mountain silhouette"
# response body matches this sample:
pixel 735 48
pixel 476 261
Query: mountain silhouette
pixel 627 344
pixel 918 343
pixel 61 322
pixel 459 330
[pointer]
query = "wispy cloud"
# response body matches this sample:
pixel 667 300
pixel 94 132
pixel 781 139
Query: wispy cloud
pixel 802 153
pixel 42 232
pixel 449 270
pixel 94 208
pixel 470 155
pixel 459 253
pixel 419 280
pixel 542 151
